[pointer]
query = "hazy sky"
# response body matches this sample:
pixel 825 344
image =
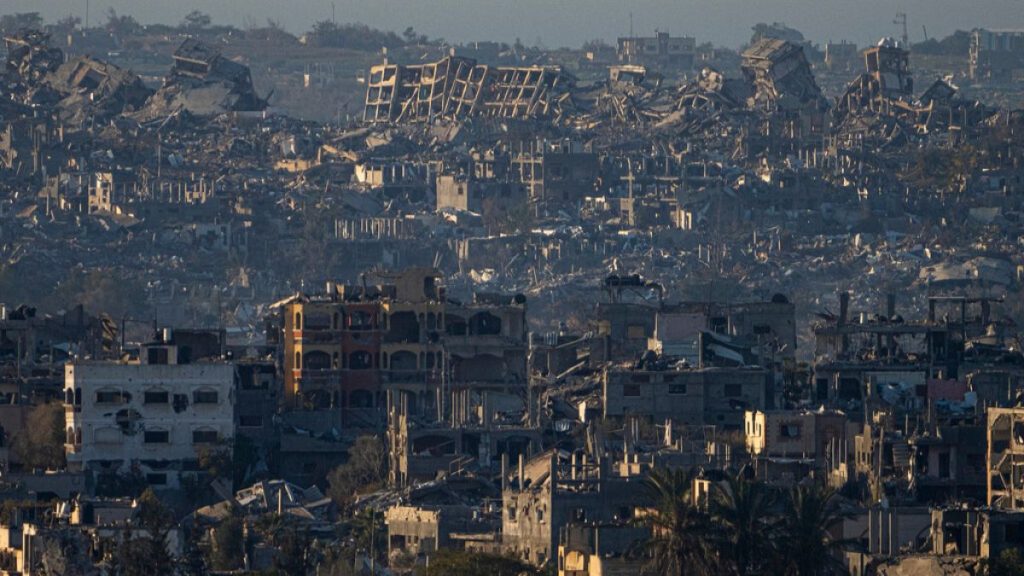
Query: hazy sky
pixel 557 23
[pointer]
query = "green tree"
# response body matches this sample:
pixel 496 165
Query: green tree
pixel 41 443
pixel 146 554
pixel 682 539
pixel 66 25
pixel 193 563
pixel 352 36
pixel 808 546
pixel 216 460
pixel 228 544
pixel 459 563
pixel 10 23
pixel 1010 562
pixel 122 25
pixel 743 508
pixel 369 534
pixel 196 20
pixel 411 37
pixel 291 558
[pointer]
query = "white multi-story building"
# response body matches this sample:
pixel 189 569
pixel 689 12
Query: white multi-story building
pixel 153 417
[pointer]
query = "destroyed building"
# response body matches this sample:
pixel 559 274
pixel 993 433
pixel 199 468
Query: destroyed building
pixel 30 57
pixel 550 257
pixel 553 490
pixel 781 76
pixel 457 87
pixel 107 90
pixel 203 82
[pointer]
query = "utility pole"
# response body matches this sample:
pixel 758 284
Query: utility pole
pixel 373 536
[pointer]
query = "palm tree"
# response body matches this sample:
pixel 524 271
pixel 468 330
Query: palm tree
pixel 681 535
pixel 808 547
pixel 744 509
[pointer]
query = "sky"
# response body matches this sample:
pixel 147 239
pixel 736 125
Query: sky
pixel 557 23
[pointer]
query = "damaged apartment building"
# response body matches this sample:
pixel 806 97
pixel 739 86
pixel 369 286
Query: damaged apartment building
pixel 545 272
pixel 448 377
pixel 456 87
pixel 153 415
pixel 555 491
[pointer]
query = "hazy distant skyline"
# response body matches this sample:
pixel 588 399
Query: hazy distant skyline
pixel 556 23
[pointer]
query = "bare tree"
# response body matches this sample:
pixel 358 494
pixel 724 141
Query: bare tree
pixel 41 443
pixel 366 468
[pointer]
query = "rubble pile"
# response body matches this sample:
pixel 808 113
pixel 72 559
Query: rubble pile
pixel 486 309
pixel 202 82
pixel 95 90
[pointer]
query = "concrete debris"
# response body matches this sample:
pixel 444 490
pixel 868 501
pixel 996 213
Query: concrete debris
pixel 91 88
pixel 781 77
pixel 202 82
pixel 493 287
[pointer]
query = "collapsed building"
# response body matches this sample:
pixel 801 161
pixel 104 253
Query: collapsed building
pixel 503 186
pixel 79 88
pixel 781 76
pixel 106 90
pixel 203 82
pixel 883 96
pixel 30 57
pixel 456 88
pixel 557 489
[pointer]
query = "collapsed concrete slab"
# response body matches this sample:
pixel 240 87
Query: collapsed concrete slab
pixel 92 87
pixel 781 76
pixel 203 82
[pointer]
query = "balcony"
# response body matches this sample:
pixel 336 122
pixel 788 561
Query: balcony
pixel 428 377
pixel 321 336
pixel 320 378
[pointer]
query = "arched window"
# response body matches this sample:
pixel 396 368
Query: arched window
pixel 298 360
pixel 403 360
pixel 317 360
pixel 360 399
pixel 455 326
pixel 298 320
pixel 360 360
